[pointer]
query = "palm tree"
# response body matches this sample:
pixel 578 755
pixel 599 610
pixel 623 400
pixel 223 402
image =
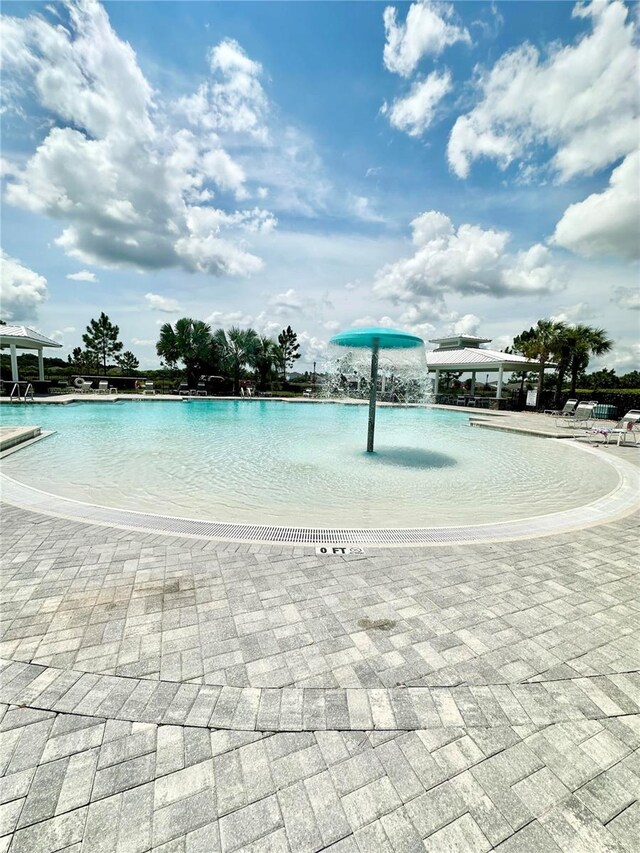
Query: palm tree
pixel 237 349
pixel 585 341
pixel 563 360
pixel 190 342
pixel 542 342
pixel 265 355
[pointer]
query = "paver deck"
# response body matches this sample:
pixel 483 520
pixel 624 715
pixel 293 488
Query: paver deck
pixel 170 694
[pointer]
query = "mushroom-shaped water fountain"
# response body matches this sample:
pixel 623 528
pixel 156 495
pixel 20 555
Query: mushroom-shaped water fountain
pixel 375 338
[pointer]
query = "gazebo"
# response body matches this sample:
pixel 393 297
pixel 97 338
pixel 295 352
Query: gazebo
pixel 22 337
pixel 463 353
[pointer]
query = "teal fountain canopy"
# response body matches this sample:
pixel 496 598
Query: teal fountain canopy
pixel 375 338
pixel 385 338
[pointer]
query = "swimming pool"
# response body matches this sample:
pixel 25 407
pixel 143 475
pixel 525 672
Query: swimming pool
pixel 270 462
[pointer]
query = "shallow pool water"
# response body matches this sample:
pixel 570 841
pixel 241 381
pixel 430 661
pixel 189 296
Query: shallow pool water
pixel 269 462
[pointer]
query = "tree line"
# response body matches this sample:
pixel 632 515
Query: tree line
pixel 192 346
pixel 568 347
pixel 232 353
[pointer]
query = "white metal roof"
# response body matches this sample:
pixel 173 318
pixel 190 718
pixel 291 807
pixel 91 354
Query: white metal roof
pixel 24 338
pixel 474 358
pixel 460 341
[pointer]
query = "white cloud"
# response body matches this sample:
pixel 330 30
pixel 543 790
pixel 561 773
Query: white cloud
pixel 225 319
pixel 90 79
pixel 292 302
pixel 501 342
pixel 572 314
pixel 312 349
pixel 580 100
pixel 291 172
pixel 83 275
pixel 624 358
pixel 429 28
pixel 161 303
pixel 606 223
pixel 225 172
pixel 468 324
pixel 627 298
pixel 466 260
pixel 361 206
pixel 143 342
pixel 22 290
pixel 414 113
pixel 385 322
pixel 59 334
pixel 287 302
pixel 127 183
pixel 234 101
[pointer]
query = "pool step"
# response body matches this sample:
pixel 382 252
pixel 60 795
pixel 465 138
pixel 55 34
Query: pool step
pixel 10 436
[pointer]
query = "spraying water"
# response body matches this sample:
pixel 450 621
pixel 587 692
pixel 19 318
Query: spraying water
pixel 378 363
pixel 402 375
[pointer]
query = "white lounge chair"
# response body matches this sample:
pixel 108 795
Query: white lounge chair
pixel 567 410
pixel 626 428
pixel 580 419
pixel 149 387
pixel 103 387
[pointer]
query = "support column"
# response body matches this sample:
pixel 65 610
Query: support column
pixel 436 383
pixel 40 365
pixel 499 391
pixel 373 391
pixel 14 362
pixel 473 383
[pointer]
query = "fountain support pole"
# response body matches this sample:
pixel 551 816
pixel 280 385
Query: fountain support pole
pixel 373 391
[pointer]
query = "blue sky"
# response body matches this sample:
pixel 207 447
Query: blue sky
pixel 468 167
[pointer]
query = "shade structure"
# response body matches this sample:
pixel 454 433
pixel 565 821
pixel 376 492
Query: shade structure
pixel 22 337
pixel 386 338
pixel 375 338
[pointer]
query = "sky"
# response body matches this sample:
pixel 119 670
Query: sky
pixel 464 168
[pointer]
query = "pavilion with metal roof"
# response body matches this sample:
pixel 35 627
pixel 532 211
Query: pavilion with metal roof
pixel 463 353
pixel 22 337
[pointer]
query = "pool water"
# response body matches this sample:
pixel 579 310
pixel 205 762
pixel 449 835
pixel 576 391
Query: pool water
pixel 300 464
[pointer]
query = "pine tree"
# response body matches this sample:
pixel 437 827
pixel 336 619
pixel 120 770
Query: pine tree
pixel 101 339
pixel 128 362
pixel 289 346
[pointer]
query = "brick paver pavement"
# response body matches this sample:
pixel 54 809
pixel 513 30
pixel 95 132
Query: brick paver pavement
pixel 166 694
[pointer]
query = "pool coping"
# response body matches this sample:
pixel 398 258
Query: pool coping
pixel 621 501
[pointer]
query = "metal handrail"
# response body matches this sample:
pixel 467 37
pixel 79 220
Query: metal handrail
pixel 15 393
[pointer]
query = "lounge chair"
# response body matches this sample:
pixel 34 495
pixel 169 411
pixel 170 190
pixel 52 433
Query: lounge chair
pixel 183 389
pixel 201 390
pixel 626 428
pixel 581 418
pixel 103 387
pixel 149 387
pixel 567 411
